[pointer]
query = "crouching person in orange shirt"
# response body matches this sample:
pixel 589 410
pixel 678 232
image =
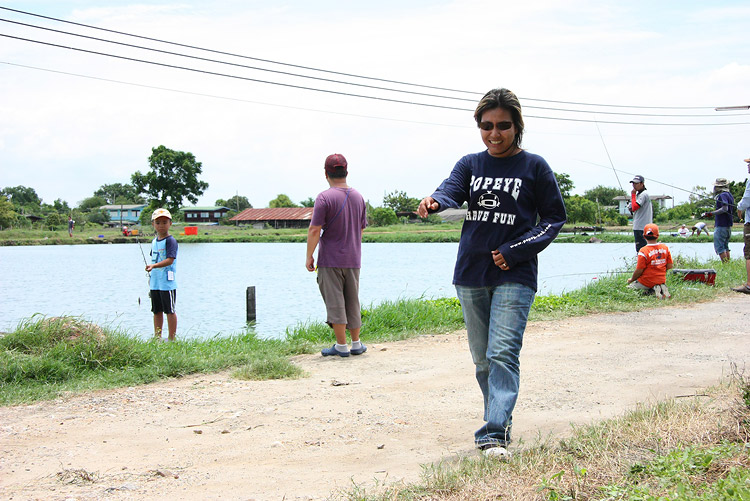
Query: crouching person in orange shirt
pixel 654 260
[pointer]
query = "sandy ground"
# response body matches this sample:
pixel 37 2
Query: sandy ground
pixel 371 419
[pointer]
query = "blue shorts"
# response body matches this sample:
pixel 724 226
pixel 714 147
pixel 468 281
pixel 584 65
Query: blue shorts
pixel 721 238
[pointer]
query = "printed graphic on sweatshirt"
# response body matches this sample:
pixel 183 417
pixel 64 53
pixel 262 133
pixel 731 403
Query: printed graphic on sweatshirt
pixel 490 200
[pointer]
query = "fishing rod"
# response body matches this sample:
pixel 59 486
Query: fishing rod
pixel 137 241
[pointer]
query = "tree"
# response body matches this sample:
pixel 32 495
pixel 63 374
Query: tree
pixel 236 203
pixel 308 202
pixel 604 195
pixel 61 206
pixel 55 220
pixel 565 184
pixel 383 216
pixel 580 210
pixel 98 216
pixel 737 189
pixel 281 201
pixel 91 203
pixel 400 202
pixel 8 215
pixel 119 193
pixel 679 213
pixel 173 178
pixel 21 196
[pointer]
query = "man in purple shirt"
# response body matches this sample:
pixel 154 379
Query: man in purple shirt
pixel 338 220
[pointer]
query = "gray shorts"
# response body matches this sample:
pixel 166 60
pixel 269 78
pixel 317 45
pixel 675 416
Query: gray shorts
pixel 638 286
pixel 340 290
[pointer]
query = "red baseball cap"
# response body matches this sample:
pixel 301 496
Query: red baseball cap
pixel 335 160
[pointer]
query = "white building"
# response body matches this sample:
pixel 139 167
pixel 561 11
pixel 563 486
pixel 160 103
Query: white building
pixel 660 200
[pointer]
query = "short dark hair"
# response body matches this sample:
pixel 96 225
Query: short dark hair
pixel 338 172
pixel 507 100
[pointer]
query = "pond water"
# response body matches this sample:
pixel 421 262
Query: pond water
pixel 107 284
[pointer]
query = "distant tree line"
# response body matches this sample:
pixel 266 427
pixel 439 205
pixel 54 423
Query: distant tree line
pixel 173 178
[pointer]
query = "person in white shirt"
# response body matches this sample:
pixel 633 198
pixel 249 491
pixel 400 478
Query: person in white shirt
pixel 743 211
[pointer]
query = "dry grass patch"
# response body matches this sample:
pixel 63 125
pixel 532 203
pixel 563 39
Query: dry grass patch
pixel 695 442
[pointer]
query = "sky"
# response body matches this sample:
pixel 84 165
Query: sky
pixel 609 89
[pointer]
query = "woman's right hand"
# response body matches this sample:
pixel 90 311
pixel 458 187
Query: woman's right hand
pixel 426 205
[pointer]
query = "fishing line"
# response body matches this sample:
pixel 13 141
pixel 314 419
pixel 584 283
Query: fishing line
pixel 650 179
pixel 591 273
pixel 607 151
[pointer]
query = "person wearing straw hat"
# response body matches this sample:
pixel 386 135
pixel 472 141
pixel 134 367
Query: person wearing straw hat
pixel 743 211
pixel 722 218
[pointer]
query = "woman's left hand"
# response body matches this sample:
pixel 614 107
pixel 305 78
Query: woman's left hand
pixel 499 260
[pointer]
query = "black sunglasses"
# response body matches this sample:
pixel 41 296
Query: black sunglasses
pixel 500 125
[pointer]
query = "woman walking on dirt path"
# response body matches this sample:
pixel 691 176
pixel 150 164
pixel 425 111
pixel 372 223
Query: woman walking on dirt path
pixel 515 211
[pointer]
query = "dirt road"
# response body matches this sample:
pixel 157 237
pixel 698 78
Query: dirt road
pixel 369 419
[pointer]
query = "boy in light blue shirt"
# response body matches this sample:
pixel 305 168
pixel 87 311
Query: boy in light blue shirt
pixel 162 270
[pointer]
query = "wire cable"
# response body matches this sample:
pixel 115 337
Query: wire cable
pixel 374 87
pixel 213 96
pixel 348 94
pixel 18 11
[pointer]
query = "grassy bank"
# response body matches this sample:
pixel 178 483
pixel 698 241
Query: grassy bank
pixel 692 449
pixel 416 233
pixel 40 360
pixel 448 232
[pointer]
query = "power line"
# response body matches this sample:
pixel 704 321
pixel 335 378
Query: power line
pixel 225 98
pixel 237 64
pixel 337 72
pixel 348 94
pixel 402 91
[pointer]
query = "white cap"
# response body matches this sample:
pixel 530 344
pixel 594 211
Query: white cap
pixel 161 213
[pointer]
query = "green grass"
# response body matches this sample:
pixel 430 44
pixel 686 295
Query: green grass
pixel 414 232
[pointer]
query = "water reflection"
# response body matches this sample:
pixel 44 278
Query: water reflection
pixel 108 285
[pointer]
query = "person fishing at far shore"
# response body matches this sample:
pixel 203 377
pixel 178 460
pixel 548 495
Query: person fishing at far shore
pixel 162 270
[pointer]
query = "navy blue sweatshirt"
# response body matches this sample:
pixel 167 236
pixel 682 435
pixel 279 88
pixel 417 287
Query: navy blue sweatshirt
pixel 515 207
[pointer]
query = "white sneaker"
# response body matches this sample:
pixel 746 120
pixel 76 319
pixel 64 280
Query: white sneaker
pixel 657 292
pixel 498 452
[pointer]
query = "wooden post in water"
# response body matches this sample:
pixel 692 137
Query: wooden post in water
pixel 250 298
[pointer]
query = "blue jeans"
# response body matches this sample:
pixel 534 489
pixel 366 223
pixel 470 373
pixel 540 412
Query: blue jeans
pixel 721 238
pixel 495 320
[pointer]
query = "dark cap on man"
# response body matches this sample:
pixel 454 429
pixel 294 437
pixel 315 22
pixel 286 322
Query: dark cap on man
pixel 335 163
pixel 637 179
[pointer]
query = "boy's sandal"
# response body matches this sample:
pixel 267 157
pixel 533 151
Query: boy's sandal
pixel 743 288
